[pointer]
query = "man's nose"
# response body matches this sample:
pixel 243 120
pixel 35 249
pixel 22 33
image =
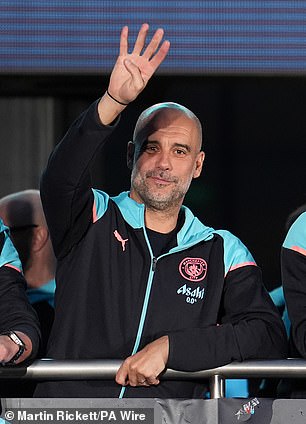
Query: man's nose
pixel 163 160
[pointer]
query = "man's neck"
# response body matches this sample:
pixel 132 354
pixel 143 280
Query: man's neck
pixel 161 221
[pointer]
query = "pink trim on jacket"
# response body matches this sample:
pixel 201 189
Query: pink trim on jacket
pixel 299 250
pixel 241 265
pixel 94 212
pixel 14 267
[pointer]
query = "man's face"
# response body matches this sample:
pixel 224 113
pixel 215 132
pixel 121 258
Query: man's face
pixel 167 158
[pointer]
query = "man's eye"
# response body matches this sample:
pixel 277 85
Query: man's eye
pixel 180 152
pixel 151 148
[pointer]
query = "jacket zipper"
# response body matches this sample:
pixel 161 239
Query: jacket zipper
pixel 154 260
pixel 144 310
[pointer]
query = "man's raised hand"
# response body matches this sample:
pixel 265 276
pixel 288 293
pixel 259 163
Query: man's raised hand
pixel 133 70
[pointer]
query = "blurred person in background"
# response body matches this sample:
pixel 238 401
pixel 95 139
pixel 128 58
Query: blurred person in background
pixel 22 212
pixel 19 327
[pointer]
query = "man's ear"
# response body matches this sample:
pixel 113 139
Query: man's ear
pixel 40 238
pixel 130 154
pixel 199 164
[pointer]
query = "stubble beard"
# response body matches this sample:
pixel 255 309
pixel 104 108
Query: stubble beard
pixel 157 199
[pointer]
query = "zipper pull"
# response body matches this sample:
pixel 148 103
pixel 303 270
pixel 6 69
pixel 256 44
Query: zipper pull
pixel 154 264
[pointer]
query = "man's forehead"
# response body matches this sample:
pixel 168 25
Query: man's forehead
pixel 166 120
pixel 167 115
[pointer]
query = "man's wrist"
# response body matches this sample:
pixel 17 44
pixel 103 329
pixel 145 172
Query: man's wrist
pixel 18 341
pixel 115 100
pixel 109 109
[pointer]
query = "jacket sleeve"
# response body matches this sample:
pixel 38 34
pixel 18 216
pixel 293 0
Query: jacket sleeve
pixel 16 313
pixel 66 184
pixel 249 327
pixel 293 264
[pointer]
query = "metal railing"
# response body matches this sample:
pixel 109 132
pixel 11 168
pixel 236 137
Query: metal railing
pixel 45 369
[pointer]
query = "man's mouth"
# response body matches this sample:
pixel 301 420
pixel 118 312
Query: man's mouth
pixel 161 179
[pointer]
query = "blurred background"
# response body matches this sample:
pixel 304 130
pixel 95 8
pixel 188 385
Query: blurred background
pixel 239 65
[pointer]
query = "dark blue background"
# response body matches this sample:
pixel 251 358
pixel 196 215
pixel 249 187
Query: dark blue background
pixel 81 36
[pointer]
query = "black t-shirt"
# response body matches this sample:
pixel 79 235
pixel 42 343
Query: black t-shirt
pixel 161 243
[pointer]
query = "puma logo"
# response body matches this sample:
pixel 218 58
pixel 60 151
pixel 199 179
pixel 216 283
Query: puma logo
pixel 119 238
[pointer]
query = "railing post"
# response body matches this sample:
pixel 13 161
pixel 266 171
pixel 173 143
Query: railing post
pixel 216 386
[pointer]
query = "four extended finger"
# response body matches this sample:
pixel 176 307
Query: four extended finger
pixel 141 39
pixel 124 41
pixel 153 44
pixel 160 55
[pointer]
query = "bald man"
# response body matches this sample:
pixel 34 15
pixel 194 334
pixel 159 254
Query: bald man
pixel 22 212
pixel 139 277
